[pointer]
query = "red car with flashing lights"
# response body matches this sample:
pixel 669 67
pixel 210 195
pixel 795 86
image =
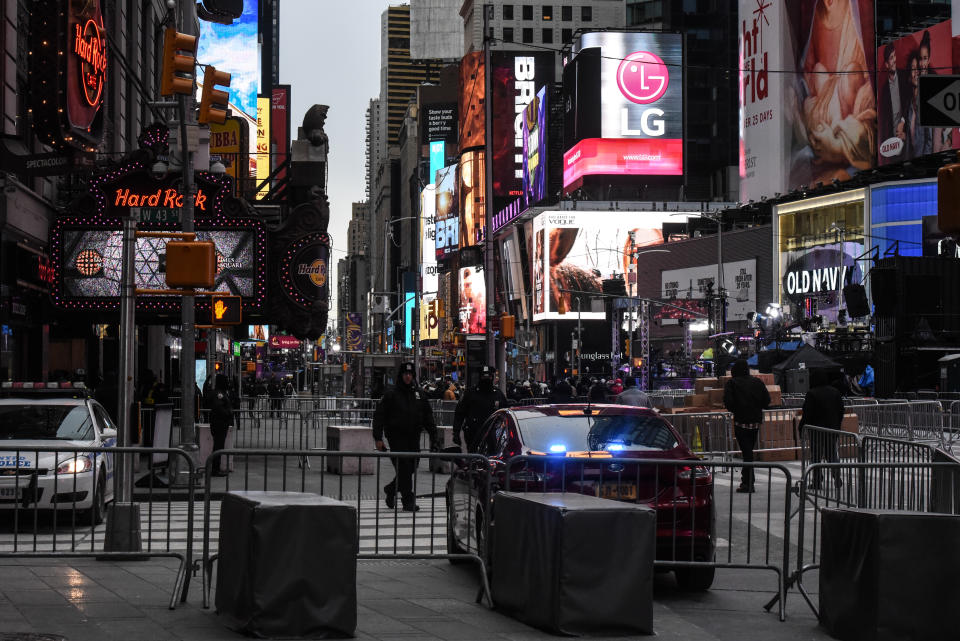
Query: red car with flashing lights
pixel 586 449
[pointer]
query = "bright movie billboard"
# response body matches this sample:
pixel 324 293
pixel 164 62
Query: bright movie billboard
pixel 472 312
pixel 574 251
pixel 234 48
pixel 535 149
pixel 641 107
pixel 471 192
pixel 447 217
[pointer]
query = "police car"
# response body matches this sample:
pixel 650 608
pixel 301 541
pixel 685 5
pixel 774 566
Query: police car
pixel 61 416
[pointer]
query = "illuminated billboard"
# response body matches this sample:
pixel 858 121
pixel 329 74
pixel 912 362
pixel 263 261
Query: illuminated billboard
pixel 472 312
pixel 447 216
pixel 91 262
pixel 263 144
pixel 229 142
pixel 234 48
pixel 471 189
pixel 429 318
pixel 574 251
pixel 641 107
pixel 517 75
pixel 535 149
pixel 830 101
pixel 428 233
pixel 471 115
pixel 899 66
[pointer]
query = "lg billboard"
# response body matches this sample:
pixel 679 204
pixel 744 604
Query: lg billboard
pixel 638 127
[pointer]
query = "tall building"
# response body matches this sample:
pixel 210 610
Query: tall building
pixel 269 19
pixel 399 75
pixel 711 134
pixel 435 30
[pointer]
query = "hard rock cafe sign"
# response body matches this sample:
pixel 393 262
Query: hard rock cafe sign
pixel 68 73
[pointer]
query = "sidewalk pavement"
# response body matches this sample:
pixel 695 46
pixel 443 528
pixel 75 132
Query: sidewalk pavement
pixel 89 600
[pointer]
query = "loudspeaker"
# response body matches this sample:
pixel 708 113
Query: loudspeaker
pixel 883 286
pixel 856 297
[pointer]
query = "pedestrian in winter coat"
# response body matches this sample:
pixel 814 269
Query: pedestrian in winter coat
pixel 402 413
pixel 823 407
pixel 476 406
pixel 221 418
pixel 634 396
pixel 746 397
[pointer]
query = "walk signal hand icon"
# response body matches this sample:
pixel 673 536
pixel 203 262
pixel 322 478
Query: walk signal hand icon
pixel 226 310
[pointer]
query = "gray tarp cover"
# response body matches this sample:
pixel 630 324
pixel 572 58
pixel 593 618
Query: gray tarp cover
pixel 287 565
pixel 574 564
pixel 888 575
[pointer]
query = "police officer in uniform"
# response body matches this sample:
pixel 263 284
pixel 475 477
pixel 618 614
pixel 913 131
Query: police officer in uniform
pixel 402 412
pixel 476 406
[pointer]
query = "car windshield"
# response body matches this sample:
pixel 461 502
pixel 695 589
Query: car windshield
pixel 616 432
pixel 35 422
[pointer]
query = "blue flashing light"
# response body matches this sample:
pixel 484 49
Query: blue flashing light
pixel 615 447
pixel 558 449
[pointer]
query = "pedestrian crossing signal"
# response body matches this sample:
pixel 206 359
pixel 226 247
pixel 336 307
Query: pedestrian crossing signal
pixel 226 310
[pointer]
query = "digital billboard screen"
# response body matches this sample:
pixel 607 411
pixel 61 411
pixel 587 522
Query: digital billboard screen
pixel 428 228
pixel 472 311
pixel 447 215
pixel 517 76
pixel 574 251
pixel 471 190
pixel 535 149
pixel 91 262
pixel 641 107
pixel 471 115
pixel 899 66
pixel 234 48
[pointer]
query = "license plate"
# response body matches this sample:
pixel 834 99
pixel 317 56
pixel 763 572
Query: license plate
pixel 8 492
pixel 618 491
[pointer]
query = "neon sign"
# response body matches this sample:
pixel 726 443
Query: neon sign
pixel 169 197
pixel 89 46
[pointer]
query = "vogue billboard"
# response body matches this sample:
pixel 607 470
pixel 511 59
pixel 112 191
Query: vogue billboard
pixel 473 301
pixel 641 107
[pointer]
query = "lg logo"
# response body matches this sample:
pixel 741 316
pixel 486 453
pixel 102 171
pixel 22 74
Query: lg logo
pixel 643 78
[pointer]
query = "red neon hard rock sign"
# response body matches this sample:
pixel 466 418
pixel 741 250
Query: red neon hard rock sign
pixel 90 47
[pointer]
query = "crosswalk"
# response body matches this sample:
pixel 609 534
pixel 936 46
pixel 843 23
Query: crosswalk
pixel 164 527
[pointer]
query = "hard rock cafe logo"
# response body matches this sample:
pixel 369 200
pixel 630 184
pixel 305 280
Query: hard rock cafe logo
pixel 315 271
pixel 90 47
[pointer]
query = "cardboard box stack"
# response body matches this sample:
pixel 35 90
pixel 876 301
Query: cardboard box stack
pixel 708 393
pixel 777 439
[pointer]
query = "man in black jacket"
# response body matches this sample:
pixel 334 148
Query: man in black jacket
pixel 402 412
pixel 823 407
pixel 221 418
pixel 746 397
pixel 475 407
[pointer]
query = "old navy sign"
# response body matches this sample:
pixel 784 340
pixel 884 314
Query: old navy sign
pixel 820 273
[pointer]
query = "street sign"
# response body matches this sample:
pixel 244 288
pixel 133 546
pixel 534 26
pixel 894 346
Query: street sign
pixel 155 214
pixel 939 101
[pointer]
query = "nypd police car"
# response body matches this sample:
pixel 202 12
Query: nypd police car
pixel 62 417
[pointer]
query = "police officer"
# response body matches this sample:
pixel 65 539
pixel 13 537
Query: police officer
pixel 221 418
pixel 476 406
pixel 402 412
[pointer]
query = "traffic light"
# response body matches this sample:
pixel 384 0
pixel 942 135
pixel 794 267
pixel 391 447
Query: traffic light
pixel 178 69
pixel 508 326
pixel 191 264
pixel 214 102
pixel 226 310
pixel 948 199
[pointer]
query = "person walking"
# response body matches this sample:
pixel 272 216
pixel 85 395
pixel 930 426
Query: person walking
pixel 632 395
pixel 475 407
pixel 746 397
pixel 276 396
pixel 401 414
pixel 221 418
pixel 823 407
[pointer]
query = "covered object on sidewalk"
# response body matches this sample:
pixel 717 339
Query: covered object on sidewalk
pixel 806 357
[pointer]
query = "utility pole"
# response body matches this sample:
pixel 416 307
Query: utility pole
pixel 488 267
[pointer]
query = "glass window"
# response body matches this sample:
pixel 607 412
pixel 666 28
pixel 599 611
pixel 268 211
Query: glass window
pixel 586 14
pixel 548 36
pixel 628 432
pixel 566 35
pixel 508 34
pixel 566 13
pixel 547 12
pixel 527 35
pixel 508 12
pixel 528 12
pixel 64 422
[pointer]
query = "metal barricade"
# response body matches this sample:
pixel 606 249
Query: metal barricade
pixel 708 434
pixel 52 512
pixel 702 525
pixel 272 428
pixel 358 478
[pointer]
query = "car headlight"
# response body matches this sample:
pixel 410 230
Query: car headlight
pixel 75 465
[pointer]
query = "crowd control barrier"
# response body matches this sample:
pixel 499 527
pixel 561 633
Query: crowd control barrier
pixel 699 528
pixel 708 434
pixel 383 532
pixel 51 512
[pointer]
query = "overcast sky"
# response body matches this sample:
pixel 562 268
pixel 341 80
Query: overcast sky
pixel 330 55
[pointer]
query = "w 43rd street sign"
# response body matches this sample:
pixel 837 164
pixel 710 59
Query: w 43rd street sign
pixel 939 101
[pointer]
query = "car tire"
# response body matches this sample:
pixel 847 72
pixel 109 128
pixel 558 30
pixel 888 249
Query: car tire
pixel 98 508
pixel 694 579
